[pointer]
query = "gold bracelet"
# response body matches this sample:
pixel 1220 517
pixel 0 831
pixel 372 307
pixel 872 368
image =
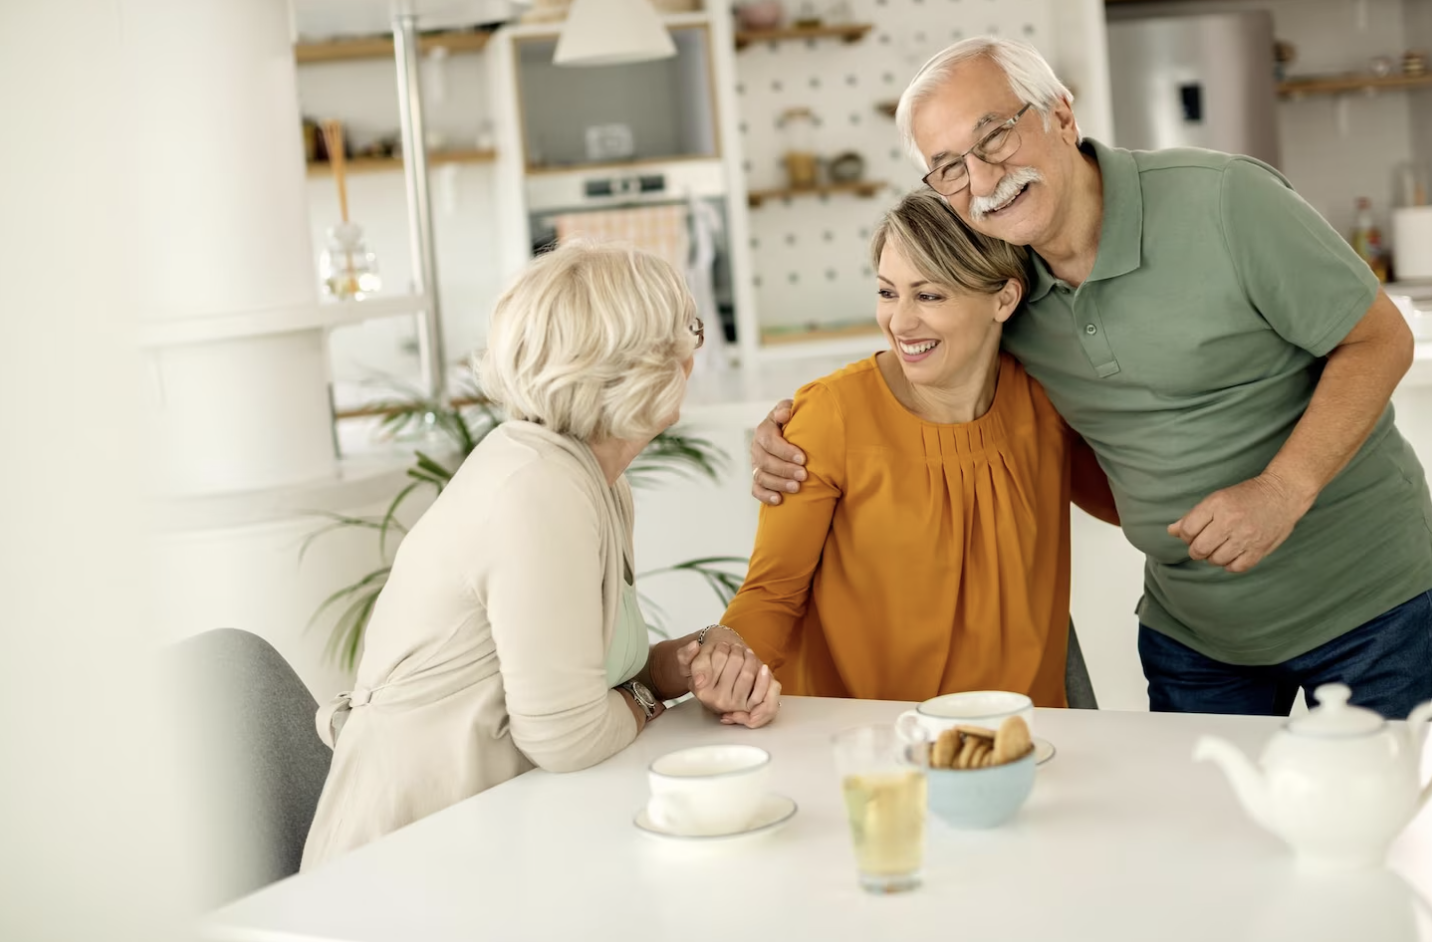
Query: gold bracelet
pixel 701 635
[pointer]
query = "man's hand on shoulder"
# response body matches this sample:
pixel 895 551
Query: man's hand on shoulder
pixel 775 462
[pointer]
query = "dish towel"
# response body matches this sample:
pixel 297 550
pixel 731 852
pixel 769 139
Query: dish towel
pixel 706 229
pixel 661 230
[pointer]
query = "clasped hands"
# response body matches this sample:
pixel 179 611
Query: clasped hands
pixel 728 678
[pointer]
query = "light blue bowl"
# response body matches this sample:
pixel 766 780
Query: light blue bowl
pixel 981 798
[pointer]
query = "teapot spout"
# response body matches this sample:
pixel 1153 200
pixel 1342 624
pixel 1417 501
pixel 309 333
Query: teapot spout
pixel 1247 780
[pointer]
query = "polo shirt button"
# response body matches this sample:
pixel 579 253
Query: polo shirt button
pixel 1090 329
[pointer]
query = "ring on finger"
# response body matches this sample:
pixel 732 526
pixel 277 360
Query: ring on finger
pixel 754 472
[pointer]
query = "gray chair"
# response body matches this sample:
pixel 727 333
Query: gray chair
pixel 257 763
pixel 1077 685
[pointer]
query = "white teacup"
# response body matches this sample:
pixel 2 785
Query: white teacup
pixel 987 708
pixel 708 789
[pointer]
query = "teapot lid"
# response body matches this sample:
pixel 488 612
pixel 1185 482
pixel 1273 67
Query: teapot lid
pixel 1335 717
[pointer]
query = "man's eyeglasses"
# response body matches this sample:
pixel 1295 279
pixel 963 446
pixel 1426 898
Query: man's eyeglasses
pixel 996 147
pixel 700 331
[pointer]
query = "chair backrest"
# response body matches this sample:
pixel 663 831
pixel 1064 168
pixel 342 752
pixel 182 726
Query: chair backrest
pixel 1078 686
pixel 257 763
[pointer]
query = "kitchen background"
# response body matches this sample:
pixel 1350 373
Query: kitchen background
pixel 701 142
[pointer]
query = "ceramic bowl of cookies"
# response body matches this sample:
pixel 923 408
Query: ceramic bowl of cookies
pixel 980 778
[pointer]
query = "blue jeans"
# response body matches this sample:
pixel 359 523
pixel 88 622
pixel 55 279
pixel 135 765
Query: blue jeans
pixel 1387 663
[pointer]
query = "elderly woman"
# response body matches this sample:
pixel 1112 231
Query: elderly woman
pixel 508 635
pixel 928 550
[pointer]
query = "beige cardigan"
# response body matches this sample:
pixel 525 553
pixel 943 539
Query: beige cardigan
pixel 486 651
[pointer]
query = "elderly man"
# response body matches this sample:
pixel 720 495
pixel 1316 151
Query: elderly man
pixel 1230 360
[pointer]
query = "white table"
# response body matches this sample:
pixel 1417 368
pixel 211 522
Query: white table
pixel 1124 838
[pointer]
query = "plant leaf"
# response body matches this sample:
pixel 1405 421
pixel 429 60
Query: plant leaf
pixel 390 519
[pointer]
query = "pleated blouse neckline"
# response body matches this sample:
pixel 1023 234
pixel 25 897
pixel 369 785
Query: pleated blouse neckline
pixel 959 438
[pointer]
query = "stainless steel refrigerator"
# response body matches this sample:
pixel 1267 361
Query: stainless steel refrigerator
pixel 1195 81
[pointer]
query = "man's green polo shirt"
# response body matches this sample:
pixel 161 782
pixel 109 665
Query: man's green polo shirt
pixel 1186 359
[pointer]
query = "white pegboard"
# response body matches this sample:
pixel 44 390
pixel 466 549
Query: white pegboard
pixel 811 254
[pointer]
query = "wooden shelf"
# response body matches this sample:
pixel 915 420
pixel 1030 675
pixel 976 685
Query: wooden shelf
pixel 778 336
pixel 381 47
pixel 853 33
pixel 536 170
pixel 1345 84
pixel 862 188
pixel 380 164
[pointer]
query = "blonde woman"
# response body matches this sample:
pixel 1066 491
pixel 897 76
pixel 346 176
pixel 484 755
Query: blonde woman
pixel 508 635
pixel 928 550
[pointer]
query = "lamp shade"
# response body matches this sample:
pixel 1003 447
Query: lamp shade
pixel 612 32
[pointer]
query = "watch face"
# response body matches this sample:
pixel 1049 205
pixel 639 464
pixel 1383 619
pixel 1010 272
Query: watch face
pixel 643 696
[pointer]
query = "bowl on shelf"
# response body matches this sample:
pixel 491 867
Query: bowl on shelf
pixel 760 14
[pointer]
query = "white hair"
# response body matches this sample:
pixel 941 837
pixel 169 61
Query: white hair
pixel 1030 78
pixel 589 342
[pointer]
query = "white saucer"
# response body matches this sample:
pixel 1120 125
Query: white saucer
pixel 1043 750
pixel 775 811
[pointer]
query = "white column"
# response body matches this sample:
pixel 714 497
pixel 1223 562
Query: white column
pixel 218 168
pixel 233 332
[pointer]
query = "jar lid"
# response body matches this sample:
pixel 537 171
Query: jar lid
pixel 1335 717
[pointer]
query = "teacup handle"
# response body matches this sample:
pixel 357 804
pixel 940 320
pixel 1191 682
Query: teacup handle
pixel 667 812
pixel 908 728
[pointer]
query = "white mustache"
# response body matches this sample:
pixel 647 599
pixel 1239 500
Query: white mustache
pixel 1009 185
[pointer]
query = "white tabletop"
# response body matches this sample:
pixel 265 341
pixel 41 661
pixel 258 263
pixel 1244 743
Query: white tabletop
pixel 1124 838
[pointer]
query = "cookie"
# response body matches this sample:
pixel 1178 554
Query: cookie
pixel 983 750
pixel 1012 742
pixel 979 731
pixel 967 752
pixel 942 755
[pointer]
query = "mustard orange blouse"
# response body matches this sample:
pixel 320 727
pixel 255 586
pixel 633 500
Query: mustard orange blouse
pixel 918 559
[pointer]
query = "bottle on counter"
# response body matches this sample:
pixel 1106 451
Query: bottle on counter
pixel 1367 240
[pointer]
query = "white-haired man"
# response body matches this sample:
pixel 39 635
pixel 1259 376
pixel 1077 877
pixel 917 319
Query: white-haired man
pixel 1230 360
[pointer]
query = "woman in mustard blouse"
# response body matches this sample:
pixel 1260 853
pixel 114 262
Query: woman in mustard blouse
pixel 928 550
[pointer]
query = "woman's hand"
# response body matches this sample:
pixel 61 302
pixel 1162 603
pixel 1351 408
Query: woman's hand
pixel 729 679
pixel 762 711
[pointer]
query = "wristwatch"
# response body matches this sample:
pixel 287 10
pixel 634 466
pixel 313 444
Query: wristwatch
pixel 642 695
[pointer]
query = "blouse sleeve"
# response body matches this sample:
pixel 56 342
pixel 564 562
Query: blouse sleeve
pixel 768 610
pixel 1089 485
pixel 544 602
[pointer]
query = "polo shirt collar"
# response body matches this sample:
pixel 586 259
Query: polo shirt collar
pixel 1122 231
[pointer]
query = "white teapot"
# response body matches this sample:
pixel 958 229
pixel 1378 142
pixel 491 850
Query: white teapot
pixel 1338 785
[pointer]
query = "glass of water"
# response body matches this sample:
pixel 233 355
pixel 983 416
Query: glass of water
pixel 882 773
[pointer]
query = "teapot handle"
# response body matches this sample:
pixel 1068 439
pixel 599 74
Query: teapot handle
pixel 1417 725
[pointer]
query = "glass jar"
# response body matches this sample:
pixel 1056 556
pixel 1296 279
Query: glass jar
pixel 798 132
pixel 347 269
